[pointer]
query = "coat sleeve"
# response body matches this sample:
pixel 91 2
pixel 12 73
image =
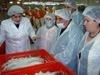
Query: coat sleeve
pixel 54 42
pixel 70 53
pixel 2 34
pixel 39 33
pixel 31 30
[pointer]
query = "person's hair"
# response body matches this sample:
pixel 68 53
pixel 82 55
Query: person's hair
pixel 99 23
pixel 19 13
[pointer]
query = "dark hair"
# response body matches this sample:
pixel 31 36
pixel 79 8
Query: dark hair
pixel 99 23
pixel 19 13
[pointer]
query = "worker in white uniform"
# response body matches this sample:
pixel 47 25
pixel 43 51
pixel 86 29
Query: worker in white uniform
pixel 16 30
pixel 89 48
pixel 77 17
pixel 47 33
pixel 69 36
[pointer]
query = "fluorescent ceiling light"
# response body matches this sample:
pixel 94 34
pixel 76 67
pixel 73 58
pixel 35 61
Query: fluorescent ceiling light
pixel 11 2
pixel 97 1
pixel 27 3
pixel 18 2
pixel 51 3
pixel 80 4
pixel 42 3
pixel 35 2
pixel 61 2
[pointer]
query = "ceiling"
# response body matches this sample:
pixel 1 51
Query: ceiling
pixel 34 0
pixel 85 2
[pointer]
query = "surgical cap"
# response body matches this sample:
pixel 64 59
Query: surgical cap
pixel 63 13
pixel 54 8
pixel 72 3
pixel 43 6
pixel 93 12
pixel 51 15
pixel 14 10
pixel 36 8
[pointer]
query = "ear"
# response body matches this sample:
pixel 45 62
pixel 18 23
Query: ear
pixel 97 23
pixel 73 9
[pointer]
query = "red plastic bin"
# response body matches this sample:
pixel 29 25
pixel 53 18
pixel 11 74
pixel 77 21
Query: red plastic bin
pixel 51 67
pixel 2 48
pixel 37 53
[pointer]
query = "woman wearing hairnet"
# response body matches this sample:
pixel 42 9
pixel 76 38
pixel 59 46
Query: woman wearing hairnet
pixel 69 36
pixel 47 33
pixel 16 31
pixel 89 47
pixel 77 17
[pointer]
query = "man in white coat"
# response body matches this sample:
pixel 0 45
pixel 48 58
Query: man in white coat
pixel 16 31
pixel 68 38
pixel 77 17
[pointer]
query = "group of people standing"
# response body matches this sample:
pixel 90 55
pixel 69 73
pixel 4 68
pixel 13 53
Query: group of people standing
pixel 37 16
pixel 75 41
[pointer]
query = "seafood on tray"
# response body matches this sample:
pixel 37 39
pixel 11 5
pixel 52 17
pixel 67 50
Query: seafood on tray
pixel 21 62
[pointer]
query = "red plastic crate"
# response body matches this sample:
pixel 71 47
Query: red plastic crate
pixel 35 53
pixel 51 67
pixel 2 48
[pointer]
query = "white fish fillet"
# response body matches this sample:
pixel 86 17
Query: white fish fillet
pixel 21 62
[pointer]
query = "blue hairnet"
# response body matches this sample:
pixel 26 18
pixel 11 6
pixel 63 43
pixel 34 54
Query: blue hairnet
pixel 14 10
pixel 63 13
pixel 93 12
pixel 51 15
pixel 72 3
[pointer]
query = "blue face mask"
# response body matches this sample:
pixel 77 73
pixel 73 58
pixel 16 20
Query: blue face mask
pixel 49 24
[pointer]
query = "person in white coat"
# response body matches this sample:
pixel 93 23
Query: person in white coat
pixel 68 38
pixel 77 17
pixel 16 30
pixel 88 52
pixel 47 33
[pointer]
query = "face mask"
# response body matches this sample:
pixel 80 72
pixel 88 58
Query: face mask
pixel 49 24
pixel 61 25
pixel 15 22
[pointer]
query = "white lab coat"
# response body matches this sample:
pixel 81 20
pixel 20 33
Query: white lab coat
pixel 17 40
pixel 65 49
pixel 47 38
pixel 78 19
pixel 89 62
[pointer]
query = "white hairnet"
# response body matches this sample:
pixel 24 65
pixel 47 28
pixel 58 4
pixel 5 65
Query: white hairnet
pixel 14 10
pixel 36 8
pixel 47 7
pixel 72 3
pixel 51 15
pixel 43 6
pixel 93 12
pixel 63 13
pixel 53 8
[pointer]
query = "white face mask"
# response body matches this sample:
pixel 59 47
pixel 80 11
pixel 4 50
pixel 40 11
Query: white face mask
pixel 61 25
